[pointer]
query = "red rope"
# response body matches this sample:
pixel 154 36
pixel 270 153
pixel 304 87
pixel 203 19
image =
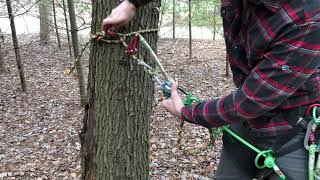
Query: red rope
pixel 310 107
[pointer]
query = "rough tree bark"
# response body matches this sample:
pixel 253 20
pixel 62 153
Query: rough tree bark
pixel 2 68
pixel 76 50
pixel 55 22
pixel 16 47
pixel 45 21
pixel 115 137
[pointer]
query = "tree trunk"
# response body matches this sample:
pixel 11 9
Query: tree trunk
pixel 174 19
pixel 190 30
pixel 227 69
pixel 55 22
pixel 67 26
pixel 45 21
pixel 76 51
pixel 214 22
pixel 16 47
pixel 2 68
pixel 115 137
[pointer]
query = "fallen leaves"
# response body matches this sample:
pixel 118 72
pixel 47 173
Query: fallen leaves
pixel 38 129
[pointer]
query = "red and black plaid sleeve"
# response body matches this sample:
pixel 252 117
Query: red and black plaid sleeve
pixel 139 3
pixel 290 64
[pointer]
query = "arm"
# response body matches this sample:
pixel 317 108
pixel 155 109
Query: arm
pixel 286 66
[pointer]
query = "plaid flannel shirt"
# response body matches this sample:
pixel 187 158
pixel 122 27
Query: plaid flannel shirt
pixel 273 47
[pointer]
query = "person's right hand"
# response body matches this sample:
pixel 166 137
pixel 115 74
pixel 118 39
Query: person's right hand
pixel 174 104
pixel 119 16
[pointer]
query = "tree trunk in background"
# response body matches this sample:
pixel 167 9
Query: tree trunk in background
pixel 2 68
pixel 163 10
pixel 45 21
pixel 76 51
pixel 174 19
pixel 16 47
pixel 227 68
pixel 67 26
pixel 214 22
pixel 190 30
pixel 55 22
pixel 115 137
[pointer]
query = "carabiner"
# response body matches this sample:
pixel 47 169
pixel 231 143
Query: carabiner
pixel 310 136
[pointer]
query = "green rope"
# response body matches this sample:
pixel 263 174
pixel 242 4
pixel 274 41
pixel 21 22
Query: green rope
pixel 311 161
pixel 317 170
pixel 314 116
pixel 190 100
pixel 269 161
pixel 314 173
pixel 225 128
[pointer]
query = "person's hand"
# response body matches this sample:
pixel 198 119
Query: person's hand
pixel 119 16
pixel 174 104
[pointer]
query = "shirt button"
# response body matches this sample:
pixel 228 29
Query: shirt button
pixel 223 12
pixel 285 68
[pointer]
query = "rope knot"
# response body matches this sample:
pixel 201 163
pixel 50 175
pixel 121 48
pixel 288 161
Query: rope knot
pixel 133 46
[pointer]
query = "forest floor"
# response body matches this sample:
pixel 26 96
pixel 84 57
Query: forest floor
pixel 39 129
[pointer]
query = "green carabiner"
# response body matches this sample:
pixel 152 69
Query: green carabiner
pixel 268 162
pixel 314 116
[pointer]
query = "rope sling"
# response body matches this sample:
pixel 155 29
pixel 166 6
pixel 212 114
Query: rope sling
pixel 165 81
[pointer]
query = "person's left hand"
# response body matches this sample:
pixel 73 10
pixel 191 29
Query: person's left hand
pixel 174 104
pixel 119 16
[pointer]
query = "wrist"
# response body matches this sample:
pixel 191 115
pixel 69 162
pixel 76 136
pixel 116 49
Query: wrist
pixel 181 113
pixel 132 4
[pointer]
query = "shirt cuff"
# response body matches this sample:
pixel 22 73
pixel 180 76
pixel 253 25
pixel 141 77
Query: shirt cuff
pixel 136 3
pixel 186 115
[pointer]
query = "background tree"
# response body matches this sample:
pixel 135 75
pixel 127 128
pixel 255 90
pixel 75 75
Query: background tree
pixel 16 47
pixel 190 29
pixel 115 137
pixel 55 22
pixel 45 20
pixel 2 68
pixel 76 51
pixel 67 25
pixel 174 19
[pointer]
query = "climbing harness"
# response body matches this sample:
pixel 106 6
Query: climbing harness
pixel 313 167
pixel 263 159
